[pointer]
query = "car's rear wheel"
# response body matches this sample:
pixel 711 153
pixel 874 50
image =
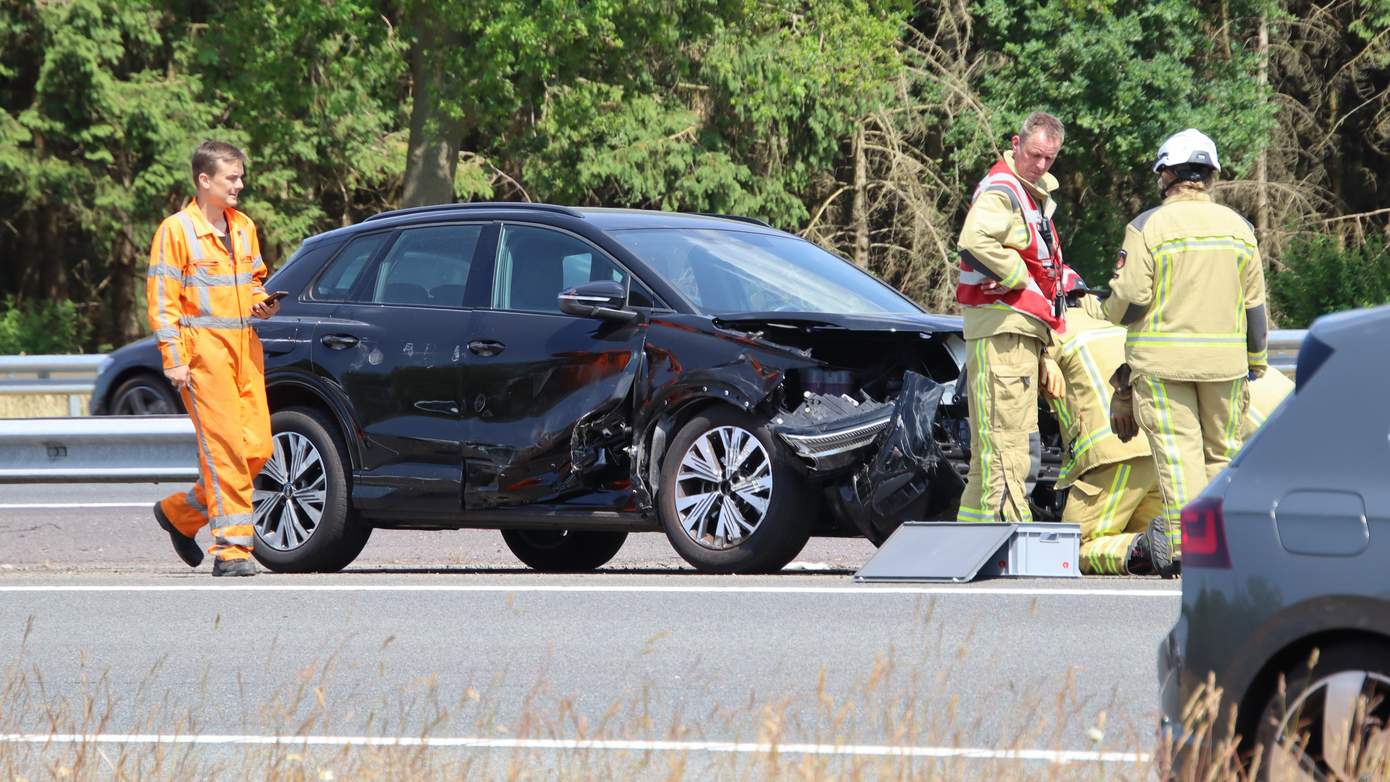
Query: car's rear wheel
pixel 730 499
pixel 302 517
pixel 565 550
pixel 145 394
pixel 1332 720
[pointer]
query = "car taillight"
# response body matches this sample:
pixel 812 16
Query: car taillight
pixel 1204 535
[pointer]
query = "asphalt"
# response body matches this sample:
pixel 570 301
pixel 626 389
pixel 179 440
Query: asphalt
pixel 444 639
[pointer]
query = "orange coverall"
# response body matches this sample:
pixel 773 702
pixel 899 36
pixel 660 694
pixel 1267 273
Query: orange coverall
pixel 200 298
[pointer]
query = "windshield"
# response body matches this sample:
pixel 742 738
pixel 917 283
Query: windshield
pixel 736 271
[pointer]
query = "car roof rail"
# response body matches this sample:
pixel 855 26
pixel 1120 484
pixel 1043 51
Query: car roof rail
pixel 415 210
pixel 740 218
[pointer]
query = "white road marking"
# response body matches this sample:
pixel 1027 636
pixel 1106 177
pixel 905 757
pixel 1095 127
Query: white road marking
pixel 627 589
pixel 72 505
pixel 879 750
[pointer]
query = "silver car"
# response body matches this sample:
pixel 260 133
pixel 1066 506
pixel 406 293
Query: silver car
pixel 1286 573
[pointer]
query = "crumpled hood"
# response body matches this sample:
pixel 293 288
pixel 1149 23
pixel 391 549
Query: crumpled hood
pixel 812 322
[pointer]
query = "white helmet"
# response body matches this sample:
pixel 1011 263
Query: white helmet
pixel 1191 146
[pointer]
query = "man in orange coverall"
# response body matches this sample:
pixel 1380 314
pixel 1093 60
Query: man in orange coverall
pixel 204 284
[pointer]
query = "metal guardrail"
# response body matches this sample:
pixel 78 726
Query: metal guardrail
pixel 132 449
pixel 1283 349
pixel 102 449
pixel 70 375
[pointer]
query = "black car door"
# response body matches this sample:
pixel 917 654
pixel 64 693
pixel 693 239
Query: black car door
pixel 395 347
pixel 534 377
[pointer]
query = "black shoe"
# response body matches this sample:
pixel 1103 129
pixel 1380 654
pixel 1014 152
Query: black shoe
pixel 234 567
pixel 1151 553
pixel 187 548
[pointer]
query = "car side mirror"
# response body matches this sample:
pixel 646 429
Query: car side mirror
pixel 605 300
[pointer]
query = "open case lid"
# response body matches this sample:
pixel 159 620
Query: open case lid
pixel 936 551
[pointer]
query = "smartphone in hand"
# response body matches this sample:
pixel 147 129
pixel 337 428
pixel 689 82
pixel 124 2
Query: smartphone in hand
pixel 276 296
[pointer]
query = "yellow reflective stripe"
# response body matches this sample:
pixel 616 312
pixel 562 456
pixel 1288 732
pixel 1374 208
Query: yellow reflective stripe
pixel 1206 243
pixel 973 514
pixel 1188 339
pixel 1080 341
pixel 981 388
pixel 1015 277
pixel 1232 433
pixel 1059 409
pixel 1091 439
pixel 1112 503
pixel 1258 358
pixel 1172 510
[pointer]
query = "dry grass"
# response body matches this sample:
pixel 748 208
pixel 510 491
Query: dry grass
pixel 888 704
pixel 38 405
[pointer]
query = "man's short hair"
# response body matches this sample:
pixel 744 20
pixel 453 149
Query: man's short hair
pixel 210 153
pixel 1042 122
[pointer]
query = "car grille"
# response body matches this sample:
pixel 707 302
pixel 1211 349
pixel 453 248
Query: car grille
pixel 819 446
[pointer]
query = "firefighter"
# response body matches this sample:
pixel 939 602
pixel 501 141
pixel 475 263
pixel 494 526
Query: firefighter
pixel 1189 286
pixel 1011 293
pixel 1112 485
pixel 205 282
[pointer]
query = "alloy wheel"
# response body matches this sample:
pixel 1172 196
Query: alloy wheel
pixel 290 493
pixel 142 400
pixel 723 487
pixel 1338 723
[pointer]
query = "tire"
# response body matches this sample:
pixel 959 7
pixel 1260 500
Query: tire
pixel 145 394
pixel 773 538
pixel 1291 733
pixel 333 540
pixel 560 551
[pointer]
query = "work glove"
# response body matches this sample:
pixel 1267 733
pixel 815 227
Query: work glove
pixel 1052 383
pixel 1122 422
pixel 1256 373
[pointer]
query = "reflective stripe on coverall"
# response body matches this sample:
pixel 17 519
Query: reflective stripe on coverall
pixel 1189 285
pixel 200 298
pixel 1002 350
pixel 1113 486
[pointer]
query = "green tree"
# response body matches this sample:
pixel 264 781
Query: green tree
pixel 1122 75
pixel 96 131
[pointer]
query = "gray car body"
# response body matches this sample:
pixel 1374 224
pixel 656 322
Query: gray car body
pixel 1306 508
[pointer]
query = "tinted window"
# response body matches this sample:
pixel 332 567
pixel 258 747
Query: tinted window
pixel 738 271
pixel 339 278
pixel 535 264
pixel 427 266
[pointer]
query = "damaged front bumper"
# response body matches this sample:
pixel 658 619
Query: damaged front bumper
pixel 826 430
pixel 897 468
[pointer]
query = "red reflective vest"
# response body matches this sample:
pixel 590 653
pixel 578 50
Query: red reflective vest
pixel 1047 275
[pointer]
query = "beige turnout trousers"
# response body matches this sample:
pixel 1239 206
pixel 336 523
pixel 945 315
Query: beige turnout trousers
pixel 1194 429
pixel 1113 504
pixel 1002 372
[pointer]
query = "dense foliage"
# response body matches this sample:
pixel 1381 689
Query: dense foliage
pixel 862 124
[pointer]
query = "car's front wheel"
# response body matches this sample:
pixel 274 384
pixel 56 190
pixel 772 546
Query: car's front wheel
pixel 1332 720
pixel 730 500
pixel 302 517
pixel 145 394
pixel 564 550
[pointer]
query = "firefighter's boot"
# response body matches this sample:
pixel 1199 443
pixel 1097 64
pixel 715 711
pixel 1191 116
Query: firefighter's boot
pixel 1151 553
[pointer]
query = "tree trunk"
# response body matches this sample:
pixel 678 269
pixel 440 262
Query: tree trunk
pixel 436 126
pixel 859 216
pixel 1262 163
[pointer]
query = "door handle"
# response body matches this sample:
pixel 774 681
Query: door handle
pixel 339 341
pixel 486 347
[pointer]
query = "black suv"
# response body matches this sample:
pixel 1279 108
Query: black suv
pixel 570 375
